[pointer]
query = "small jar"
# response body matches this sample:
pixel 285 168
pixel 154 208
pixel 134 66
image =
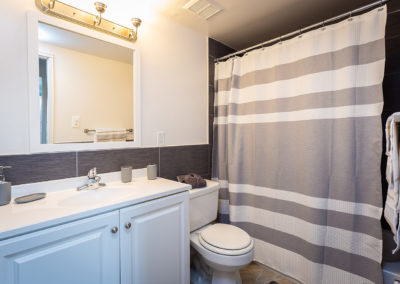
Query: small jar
pixel 152 171
pixel 126 174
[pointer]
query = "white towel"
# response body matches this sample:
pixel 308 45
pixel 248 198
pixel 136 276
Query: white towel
pixel 392 205
pixel 110 134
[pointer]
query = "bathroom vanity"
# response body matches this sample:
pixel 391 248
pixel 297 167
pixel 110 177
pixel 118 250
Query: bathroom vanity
pixel 123 233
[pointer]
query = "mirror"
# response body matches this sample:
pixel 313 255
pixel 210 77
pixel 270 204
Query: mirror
pixel 85 95
pixel 85 88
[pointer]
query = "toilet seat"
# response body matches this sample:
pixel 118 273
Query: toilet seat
pixel 226 239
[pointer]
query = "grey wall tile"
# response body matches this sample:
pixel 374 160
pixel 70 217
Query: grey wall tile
pixel 39 167
pixel 181 160
pixel 211 70
pixel 210 150
pixel 211 96
pixel 217 49
pixel 50 166
pixel 112 160
pixel 210 113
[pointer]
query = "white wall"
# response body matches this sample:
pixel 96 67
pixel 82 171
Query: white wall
pixel 174 83
pixel 173 80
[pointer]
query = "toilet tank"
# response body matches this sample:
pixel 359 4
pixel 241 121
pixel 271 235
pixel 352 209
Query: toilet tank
pixel 203 205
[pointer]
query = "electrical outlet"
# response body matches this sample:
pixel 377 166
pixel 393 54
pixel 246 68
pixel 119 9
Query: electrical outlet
pixel 76 121
pixel 160 138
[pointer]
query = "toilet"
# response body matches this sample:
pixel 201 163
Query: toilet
pixel 225 248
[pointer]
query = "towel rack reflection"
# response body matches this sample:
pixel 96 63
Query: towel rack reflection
pixel 94 130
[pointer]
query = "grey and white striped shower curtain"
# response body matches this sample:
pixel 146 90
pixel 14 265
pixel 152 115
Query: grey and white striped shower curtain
pixel 297 150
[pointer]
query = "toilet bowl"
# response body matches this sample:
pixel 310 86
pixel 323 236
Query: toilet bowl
pixel 225 248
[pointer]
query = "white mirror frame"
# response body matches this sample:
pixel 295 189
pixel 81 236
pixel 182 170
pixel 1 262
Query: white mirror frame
pixel 33 19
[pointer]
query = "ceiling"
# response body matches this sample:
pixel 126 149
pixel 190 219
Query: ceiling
pixel 244 23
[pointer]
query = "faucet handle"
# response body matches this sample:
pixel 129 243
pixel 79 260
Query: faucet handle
pixel 92 173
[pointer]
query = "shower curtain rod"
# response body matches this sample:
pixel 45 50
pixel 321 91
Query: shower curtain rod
pixel 306 29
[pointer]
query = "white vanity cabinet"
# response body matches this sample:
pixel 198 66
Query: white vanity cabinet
pixel 155 242
pixel 146 243
pixel 79 252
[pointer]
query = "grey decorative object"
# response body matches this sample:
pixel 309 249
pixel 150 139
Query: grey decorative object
pixel 126 174
pixel 152 171
pixel 5 187
pixel 30 198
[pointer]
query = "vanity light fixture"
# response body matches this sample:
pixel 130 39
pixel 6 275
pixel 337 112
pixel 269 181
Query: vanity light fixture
pixel 75 15
pixel 136 23
pixel 101 8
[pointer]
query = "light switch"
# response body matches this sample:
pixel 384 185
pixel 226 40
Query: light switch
pixel 160 138
pixel 76 121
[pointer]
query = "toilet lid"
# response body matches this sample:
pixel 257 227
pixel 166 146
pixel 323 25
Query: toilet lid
pixel 226 237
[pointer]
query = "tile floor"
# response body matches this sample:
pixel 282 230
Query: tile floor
pixel 256 273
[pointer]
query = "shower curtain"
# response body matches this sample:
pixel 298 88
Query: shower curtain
pixel 297 150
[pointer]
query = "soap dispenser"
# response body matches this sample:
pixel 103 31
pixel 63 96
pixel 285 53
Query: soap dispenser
pixel 5 187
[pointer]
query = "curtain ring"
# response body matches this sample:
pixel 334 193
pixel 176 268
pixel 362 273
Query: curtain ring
pixel 300 35
pixel 280 40
pixel 350 18
pixel 381 8
pixel 323 25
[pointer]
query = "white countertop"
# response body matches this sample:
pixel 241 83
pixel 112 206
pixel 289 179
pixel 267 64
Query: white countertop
pixel 63 205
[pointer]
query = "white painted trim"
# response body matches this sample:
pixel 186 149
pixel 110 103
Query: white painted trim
pixel 33 18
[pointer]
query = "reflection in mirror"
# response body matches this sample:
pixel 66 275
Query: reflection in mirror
pixel 85 88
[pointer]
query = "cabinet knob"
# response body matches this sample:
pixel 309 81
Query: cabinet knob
pixel 114 230
pixel 128 225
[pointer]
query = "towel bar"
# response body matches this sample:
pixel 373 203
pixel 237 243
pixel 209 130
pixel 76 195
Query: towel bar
pixel 94 130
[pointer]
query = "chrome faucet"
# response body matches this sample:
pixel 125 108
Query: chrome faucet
pixel 93 181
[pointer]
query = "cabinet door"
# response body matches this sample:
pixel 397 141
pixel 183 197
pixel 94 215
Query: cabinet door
pixel 155 248
pixel 80 252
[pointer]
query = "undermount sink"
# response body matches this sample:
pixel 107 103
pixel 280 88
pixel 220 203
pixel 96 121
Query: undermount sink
pixel 100 195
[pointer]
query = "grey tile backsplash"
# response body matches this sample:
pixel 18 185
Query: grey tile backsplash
pixel 39 167
pixel 184 159
pixel 172 161
pixel 111 160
